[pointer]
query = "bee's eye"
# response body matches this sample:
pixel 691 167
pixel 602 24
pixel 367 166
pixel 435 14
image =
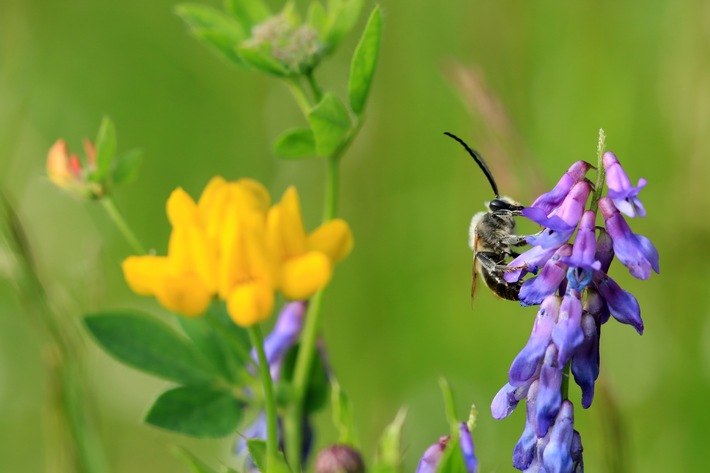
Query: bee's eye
pixel 497 204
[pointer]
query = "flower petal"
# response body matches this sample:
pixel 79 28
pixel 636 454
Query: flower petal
pixel 623 306
pixel 628 248
pixel 303 276
pixel 548 201
pixel 467 448
pixel 432 456
pixel 524 451
pixel 585 244
pixel 533 259
pixel 250 303
pixel 184 294
pixel 181 209
pixel 557 457
pixel 525 365
pixel 144 274
pixel 567 334
pixel 535 290
pixel 585 364
pixel 508 398
pixel 549 396
pixel 284 335
pixel 334 238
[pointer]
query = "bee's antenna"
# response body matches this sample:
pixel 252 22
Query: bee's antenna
pixel 479 159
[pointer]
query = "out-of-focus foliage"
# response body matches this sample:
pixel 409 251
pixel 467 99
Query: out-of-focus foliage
pixel 527 83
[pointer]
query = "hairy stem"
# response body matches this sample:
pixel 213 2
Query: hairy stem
pixel 601 173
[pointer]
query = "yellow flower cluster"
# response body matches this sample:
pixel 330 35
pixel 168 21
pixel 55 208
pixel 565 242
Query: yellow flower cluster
pixel 232 243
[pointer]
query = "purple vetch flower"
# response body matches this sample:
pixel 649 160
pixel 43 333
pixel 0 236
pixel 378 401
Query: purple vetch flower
pixel 284 335
pixel 576 451
pixel 559 226
pixel 585 364
pixel 552 199
pixel 620 189
pixel 549 396
pixel 524 367
pixel 605 250
pixel 585 245
pixel 432 456
pixel 508 397
pixel 636 252
pixel 524 451
pixel 567 334
pixel 557 456
pixel 530 261
pixel 622 305
pixel 467 448
pixel 536 289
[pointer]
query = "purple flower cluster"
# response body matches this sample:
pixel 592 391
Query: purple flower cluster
pixel 576 297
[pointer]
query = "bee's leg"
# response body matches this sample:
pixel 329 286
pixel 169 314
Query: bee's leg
pixel 488 261
pixel 514 240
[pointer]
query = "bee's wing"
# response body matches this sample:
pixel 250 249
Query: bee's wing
pixel 474 270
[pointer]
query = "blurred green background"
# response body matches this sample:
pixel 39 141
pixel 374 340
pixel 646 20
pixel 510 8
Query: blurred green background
pixel 527 83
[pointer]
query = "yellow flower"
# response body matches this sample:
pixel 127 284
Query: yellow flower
pixel 230 244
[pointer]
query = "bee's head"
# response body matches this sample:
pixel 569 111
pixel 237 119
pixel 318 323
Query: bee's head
pixel 502 204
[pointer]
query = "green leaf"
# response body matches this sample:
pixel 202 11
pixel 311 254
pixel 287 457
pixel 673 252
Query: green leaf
pixel 127 166
pixel 317 391
pixel 105 149
pixel 212 346
pixel 257 450
pixel 330 123
pixel 362 68
pixel 317 17
pixel 197 410
pixel 260 58
pixel 389 456
pixel 342 414
pixel 449 405
pixel 143 342
pixel 342 16
pixel 248 12
pixel 196 465
pixel 213 28
pixel 296 143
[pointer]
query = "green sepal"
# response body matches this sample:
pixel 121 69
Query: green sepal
pixel 330 123
pixel 127 167
pixel 248 12
pixel 197 410
pixel 342 414
pixel 145 343
pixel 257 450
pixel 213 28
pixel 389 449
pixel 260 58
pixel 295 143
pixel 362 67
pixel 105 150
pixel 342 16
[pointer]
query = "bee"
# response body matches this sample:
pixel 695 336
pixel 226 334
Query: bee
pixel 492 237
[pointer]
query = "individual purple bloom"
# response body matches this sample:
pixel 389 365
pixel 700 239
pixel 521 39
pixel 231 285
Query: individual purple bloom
pixel 284 335
pixel 576 452
pixel 550 200
pixel 635 252
pixel 623 306
pixel 467 448
pixel 530 262
pixel 508 398
pixel 585 244
pixel 559 227
pixel 536 289
pixel 524 451
pixel 524 366
pixel 567 334
pixel 549 396
pixel 605 250
pixel 432 456
pixel 557 456
pixel 620 189
pixel 585 364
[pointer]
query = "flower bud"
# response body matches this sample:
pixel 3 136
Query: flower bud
pixel 339 459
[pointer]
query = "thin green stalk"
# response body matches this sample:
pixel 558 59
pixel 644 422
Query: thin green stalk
pixel 120 222
pixel 601 173
pixel 299 95
pixel 565 381
pixel 315 89
pixel 301 374
pixel 330 208
pixel 272 440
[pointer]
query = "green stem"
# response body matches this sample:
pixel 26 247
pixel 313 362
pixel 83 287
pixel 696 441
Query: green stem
pixel 272 440
pixel 330 208
pixel 120 222
pixel 601 173
pixel 301 375
pixel 300 96
pixel 565 381
pixel 315 89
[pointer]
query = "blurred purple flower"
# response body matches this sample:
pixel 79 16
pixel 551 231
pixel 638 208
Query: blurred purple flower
pixel 432 455
pixel 620 189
